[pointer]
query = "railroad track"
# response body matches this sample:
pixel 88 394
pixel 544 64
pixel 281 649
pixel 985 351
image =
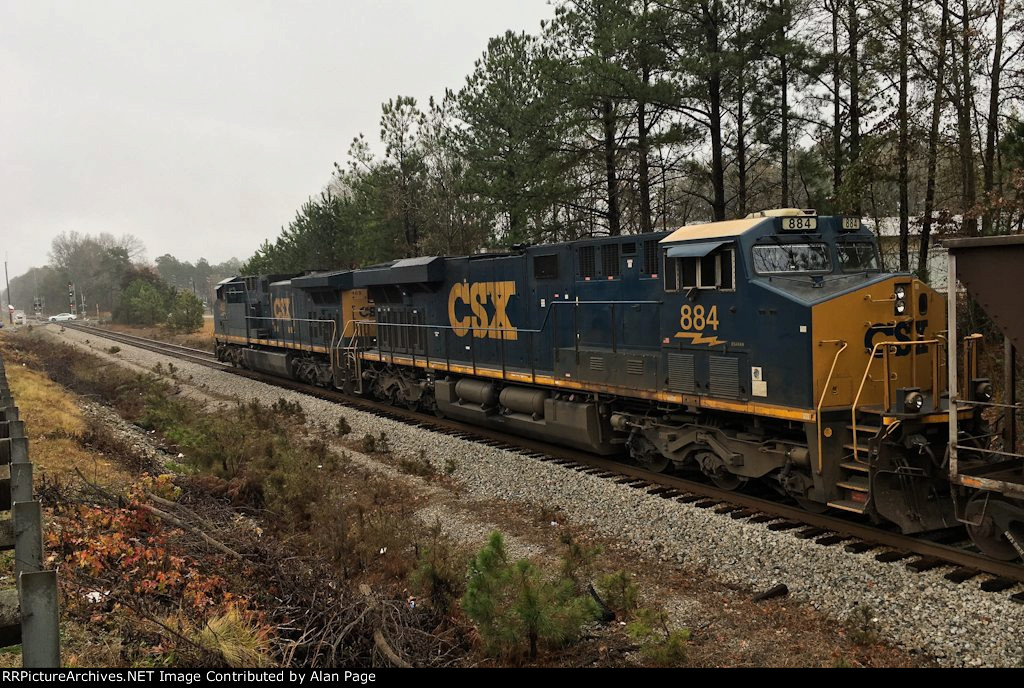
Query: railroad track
pixel 176 350
pixel 920 554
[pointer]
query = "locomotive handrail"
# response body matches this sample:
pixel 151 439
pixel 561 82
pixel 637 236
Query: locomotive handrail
pixel 824 391
pixel 543 324
pixel 887 379
pixel 975 402
pixel 356 325
pixel 334 330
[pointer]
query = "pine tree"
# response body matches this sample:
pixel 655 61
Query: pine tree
pixel 512 603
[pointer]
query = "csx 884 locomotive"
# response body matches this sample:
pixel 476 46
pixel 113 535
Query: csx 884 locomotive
pixel 771 348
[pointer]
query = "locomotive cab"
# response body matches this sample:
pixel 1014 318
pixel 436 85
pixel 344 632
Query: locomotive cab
pixel 840 362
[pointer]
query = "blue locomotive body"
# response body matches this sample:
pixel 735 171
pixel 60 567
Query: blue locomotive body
pixel 746 349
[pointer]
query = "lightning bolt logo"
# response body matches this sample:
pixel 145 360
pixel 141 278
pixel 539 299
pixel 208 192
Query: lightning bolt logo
pixel 699 338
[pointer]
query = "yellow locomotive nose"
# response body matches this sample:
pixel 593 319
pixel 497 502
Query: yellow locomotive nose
pixel 890 330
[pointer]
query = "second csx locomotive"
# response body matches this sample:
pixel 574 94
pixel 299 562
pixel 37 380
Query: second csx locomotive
pixel 771 348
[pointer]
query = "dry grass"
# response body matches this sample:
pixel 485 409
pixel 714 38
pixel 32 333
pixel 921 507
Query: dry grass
pixel 54 423
pixel 46 408
pixel 231 636
pixel 201 339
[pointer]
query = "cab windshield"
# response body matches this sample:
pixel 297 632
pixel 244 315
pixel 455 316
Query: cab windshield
pixel 774 259
pixel 858 257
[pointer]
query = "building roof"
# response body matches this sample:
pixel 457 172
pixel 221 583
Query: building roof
pixel 958 245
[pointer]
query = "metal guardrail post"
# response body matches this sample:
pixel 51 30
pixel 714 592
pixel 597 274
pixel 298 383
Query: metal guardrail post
pixel 40 611
pixel 20 483
pixel 19 450
pixel 28 537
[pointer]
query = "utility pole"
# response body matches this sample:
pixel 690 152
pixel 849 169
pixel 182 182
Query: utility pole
pixel 10 311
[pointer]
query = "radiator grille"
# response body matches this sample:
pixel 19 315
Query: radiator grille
pixel 680 373
pixel 588 262
pixel 651 257
pixel 596 363
pixel 725 376
pixel 610 260
pixel 635 366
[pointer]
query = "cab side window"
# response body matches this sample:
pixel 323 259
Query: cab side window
pixel 716 270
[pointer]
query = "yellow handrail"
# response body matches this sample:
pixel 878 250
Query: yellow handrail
pixel 824 391
pixel 864 379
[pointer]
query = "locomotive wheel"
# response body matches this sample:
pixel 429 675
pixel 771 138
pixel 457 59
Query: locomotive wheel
pixel 989 536
pixel 811 506
pixel 656 464
pixel 725 480
pixel 722 477
pixel 646 454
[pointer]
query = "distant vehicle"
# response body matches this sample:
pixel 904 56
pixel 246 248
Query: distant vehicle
pixel 63 317
pixel 19 318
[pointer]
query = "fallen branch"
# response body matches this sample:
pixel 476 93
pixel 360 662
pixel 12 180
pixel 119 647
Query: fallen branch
pixel 173 520
pixel 378 638
pixel 382 645
pixel 164 516
pixel 175 505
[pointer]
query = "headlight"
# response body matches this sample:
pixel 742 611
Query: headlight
pixel 983 391
pixel 901 292
pixel 901 306
pixel 913 402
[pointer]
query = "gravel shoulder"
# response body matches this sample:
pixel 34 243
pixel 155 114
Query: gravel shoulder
pixel 702 566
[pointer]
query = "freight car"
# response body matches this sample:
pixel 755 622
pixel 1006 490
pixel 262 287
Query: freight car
pixel 772 348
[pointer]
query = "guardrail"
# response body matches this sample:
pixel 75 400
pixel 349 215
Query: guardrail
pixel 29 611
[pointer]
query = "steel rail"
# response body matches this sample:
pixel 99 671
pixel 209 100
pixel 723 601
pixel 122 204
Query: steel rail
pixel 166 348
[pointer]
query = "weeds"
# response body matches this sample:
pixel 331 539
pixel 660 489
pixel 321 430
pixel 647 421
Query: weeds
pixel 440 573
pixel 419 466
pixel 578 562
pixel 619 592
pixel 235 637
pixel 659 644
pixel 342 428
pixel 368 445
pixel 375 445
pixel 862 625
pixel 290 410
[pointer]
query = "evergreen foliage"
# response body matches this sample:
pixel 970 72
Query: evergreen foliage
pixel 515 606
pixel 186 313
pixel 626 116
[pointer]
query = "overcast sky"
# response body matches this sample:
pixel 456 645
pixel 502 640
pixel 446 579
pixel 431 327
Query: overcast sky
pixel 201 127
